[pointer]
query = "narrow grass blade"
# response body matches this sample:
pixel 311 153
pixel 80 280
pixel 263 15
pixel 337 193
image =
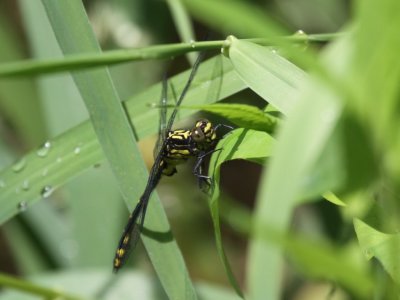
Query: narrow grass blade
pixel 34 289
pixel 112 127
pixel 19 103
pixel 85 60
pixel 183 24
pixel 225 15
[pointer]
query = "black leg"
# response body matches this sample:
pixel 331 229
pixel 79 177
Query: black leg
pixel 203 180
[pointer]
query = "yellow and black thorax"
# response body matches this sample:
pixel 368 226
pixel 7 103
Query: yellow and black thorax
pixel 182 144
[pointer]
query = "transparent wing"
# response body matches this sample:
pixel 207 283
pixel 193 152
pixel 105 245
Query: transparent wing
pixel 163 128
pixel 185 89
pixel 163 118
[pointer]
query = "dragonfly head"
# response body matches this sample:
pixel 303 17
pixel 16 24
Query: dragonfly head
pixel 203 132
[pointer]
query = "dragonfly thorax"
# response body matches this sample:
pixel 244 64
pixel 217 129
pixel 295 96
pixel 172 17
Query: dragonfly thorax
pixel 182 144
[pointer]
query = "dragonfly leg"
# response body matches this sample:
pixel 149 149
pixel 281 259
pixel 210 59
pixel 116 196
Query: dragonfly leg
pixel 225 126
pixel 204 181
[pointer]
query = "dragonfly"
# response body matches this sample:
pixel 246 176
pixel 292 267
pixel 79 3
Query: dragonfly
pixel 173 147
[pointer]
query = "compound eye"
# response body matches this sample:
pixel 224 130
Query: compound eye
pixel 198 135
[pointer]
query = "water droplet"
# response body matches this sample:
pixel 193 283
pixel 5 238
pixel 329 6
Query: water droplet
pixel 300 32
pixel 192 43
pixel 22 206
pixel 25 185
pixel 77 150
pixel 19 165
pixel 17 190
pixel 59 159
pixel 274 50
pixel 47 191
pixel 44 150
pixel 2 184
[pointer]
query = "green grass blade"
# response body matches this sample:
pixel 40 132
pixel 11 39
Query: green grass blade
pixel 34 289
pixel 183 24
pixel 111 125
pixel 226 14
pixel 82 61
pixel 76 150
pixel 19 103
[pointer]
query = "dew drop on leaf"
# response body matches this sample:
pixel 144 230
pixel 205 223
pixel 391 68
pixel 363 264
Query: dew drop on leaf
pixel 47 191
pixel 19 165
pixel 44 150
pixel 22 206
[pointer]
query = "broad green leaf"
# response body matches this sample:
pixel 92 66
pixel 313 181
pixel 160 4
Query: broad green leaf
pixel 238 144
pixel 272 77
pixel 384 247
pixel 242 115
pixel 333 198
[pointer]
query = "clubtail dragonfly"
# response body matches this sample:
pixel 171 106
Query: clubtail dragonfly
pixel 173 147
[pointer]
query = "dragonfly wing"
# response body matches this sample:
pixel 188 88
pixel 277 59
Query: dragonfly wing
pixel 185 89
pixel 163 118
